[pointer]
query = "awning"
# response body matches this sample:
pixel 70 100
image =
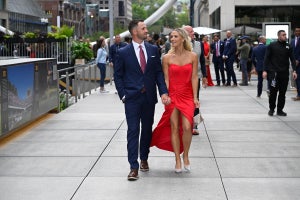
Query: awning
pixel 205 30
pixel 6 31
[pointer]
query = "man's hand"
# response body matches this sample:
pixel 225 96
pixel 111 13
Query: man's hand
pixel 294 75
pixel 204 82
pixel 111 64
pixel 165 99
pixel 265 74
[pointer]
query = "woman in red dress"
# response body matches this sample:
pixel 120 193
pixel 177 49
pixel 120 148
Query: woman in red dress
pixel 207 60
pixel 174 130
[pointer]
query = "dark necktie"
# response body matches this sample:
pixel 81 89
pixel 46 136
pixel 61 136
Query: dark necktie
pixel 142 59
pixel 296 41
pixel 217 49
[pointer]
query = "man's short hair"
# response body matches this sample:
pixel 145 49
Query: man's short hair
pixel 134 24
pixel 279 32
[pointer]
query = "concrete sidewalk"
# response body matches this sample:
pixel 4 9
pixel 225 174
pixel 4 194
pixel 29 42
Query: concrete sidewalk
pixel 80 153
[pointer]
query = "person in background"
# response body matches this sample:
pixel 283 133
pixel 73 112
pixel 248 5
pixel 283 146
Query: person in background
pixel 127 40
pixel 157 41
pixel 101 63
pixel 138 74
pixel 257 57
pixel 114 49
pixel 217 48
pixel 296 50
pixel 229 57
pixel 276 68
pixel 206 49
pixel 198 48
pixel 244 49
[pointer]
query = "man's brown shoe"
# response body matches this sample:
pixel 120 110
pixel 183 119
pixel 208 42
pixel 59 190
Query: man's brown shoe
pixel 296 98
pixel 133 175
pixel 144 166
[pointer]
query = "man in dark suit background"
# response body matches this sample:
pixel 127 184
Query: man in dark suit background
pixel 114 49
pixel 278 56
pixel 217 48
pixel 138 71
pixel 229 57
pixel 257 57
pixel 295 44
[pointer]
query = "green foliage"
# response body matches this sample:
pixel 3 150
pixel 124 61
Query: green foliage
pixel 81 50
pixel 30 35
pixel 142 9
pixel 62 32
pixel 138 12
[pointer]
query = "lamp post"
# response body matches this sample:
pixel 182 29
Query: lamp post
pixel 91 25
pixel 79 26
pixel 111 21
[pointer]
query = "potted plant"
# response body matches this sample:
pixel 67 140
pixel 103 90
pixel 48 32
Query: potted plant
pixel 30 37
pixel 61 33
pixel 81 52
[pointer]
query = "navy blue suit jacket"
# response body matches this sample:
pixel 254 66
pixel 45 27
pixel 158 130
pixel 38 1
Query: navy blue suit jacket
pixel 113 51
pixel 213 50
pixel 129 78
pixel 230 48
pixel 296 49
pixel 258 56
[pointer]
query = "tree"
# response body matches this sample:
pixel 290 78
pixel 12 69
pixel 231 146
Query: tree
pixel 138 12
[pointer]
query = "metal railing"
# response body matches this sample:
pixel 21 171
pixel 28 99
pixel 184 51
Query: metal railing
pixel 75 83
pixel 37 48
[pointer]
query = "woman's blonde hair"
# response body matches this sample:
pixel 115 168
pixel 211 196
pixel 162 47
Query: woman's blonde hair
pixel 186 40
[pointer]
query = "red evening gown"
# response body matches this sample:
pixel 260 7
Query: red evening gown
pixel 208 75
pixel 181 94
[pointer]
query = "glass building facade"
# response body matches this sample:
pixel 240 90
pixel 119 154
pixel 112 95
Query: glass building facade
pixel 254 16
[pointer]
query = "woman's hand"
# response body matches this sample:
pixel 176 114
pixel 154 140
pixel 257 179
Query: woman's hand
pixel 197 103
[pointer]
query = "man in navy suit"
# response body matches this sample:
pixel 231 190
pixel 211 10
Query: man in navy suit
pixel 229 57
pixel 295 44
pixel 114 49
pixel 217 48
pixel 137 72
pixel 257 57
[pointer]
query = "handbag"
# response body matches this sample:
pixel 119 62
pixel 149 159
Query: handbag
pixel 198 118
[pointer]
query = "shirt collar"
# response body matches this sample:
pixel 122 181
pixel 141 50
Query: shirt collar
pixel 136 45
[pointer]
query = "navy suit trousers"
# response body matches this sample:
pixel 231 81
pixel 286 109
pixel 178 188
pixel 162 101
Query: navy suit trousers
pixel 230 71
pixel 139 111
pixel 298 80
pixel 219 69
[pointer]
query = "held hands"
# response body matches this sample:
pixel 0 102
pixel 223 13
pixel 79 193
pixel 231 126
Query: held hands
pixel 165 99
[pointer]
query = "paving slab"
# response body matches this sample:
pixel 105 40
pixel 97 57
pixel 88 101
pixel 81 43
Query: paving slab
pixel 262 188
pixel 177 188
pixel 241 153
pixel 44 188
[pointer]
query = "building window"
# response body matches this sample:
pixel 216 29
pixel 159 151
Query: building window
pixel 121 8
pixel 255 16
pixel 215 19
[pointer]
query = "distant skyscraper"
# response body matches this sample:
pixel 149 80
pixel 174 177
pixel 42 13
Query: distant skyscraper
pixel 122 10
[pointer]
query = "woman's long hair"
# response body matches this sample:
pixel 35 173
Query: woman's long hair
pixel 187 40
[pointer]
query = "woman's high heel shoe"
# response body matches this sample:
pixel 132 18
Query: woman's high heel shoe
pixel 187 168
pixel 178 170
